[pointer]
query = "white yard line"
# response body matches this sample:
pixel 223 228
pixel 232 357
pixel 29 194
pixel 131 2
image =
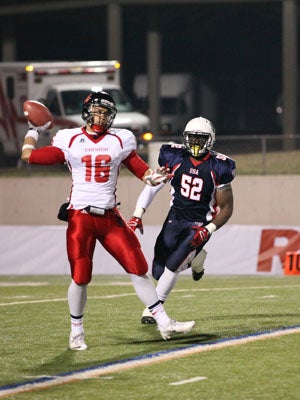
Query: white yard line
pixel 112 296
pixel 237 288
pixel 109 368
pixel 19 284
pixel 191 380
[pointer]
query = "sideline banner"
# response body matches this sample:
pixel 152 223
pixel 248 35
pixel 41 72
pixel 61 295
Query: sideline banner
pixel 233 249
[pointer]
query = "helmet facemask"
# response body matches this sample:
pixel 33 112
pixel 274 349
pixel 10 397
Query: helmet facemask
pixel 93 121
pixel 197 143
pixel 199 136
pixel 99 99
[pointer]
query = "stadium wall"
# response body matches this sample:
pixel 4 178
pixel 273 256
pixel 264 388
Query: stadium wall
pixel 259 200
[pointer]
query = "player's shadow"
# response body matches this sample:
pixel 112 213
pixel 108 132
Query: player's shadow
pixel 68 360
pixel 185 339
pixel 62 362
pixel 257 316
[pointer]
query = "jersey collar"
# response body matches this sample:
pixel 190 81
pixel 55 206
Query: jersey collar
pixel 94 138
pixel 196 161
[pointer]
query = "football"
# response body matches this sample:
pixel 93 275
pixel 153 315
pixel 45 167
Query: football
pixel 37 113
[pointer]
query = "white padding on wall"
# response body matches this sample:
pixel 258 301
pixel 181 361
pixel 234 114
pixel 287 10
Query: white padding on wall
pixel 234 249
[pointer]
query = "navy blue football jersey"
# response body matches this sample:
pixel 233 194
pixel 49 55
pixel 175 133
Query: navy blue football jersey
pixel 194 184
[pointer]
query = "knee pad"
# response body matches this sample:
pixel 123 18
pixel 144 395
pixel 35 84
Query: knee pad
pixel 81 269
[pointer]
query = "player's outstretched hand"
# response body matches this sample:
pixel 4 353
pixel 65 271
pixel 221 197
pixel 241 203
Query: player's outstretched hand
pixel 41 128
pixel 161 175
pixel 136 223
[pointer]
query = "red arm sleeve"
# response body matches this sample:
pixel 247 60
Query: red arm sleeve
pixel 47 155
pixel 136 164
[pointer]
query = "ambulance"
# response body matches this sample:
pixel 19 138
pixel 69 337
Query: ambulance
pixel 62 87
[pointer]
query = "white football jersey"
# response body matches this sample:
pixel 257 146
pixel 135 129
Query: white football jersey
pixel 94 164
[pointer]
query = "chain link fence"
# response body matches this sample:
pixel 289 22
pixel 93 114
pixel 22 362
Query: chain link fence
pixel 254 154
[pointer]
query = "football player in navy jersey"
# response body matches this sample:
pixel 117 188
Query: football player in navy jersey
pixel 201 202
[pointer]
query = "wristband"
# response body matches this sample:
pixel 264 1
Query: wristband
pixel 32 134
pixel 211 227
pixel 138 212
pixel 28 146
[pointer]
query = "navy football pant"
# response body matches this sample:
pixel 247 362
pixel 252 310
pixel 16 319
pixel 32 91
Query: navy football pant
pixel 173 247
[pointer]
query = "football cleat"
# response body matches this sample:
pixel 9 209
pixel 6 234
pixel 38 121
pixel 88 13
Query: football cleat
pixel 147 317
pixel 174 328
pixel 197 265
pixel 77 342
pixel 197 275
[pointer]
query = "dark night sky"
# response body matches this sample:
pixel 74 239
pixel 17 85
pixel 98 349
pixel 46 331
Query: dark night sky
pixel 236 48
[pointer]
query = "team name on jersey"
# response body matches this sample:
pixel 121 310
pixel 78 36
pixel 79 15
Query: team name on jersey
pixel 91 149
pixel 194 171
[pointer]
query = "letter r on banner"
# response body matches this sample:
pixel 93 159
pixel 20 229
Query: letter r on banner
pixel 268 248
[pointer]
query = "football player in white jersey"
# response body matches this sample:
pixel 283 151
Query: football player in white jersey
pixel 94 154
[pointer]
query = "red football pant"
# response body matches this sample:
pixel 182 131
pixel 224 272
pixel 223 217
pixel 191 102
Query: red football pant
pixel 115 236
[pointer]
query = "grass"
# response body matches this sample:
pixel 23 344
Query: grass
pixel 274 163
pixel 35 329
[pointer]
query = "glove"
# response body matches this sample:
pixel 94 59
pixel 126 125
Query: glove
pixel 136 223
pixel 161 175
pixel 201 236
pixel 41 128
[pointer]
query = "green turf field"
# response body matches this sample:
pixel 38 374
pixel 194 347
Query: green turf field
pixel 35 330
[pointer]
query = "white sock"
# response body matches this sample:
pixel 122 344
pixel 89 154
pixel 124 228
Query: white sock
pixel 159 313
pixel 198 261
pixel 166 283
pixel 77 296
pixel 146 292
pixel 76 325
pixel 144 288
